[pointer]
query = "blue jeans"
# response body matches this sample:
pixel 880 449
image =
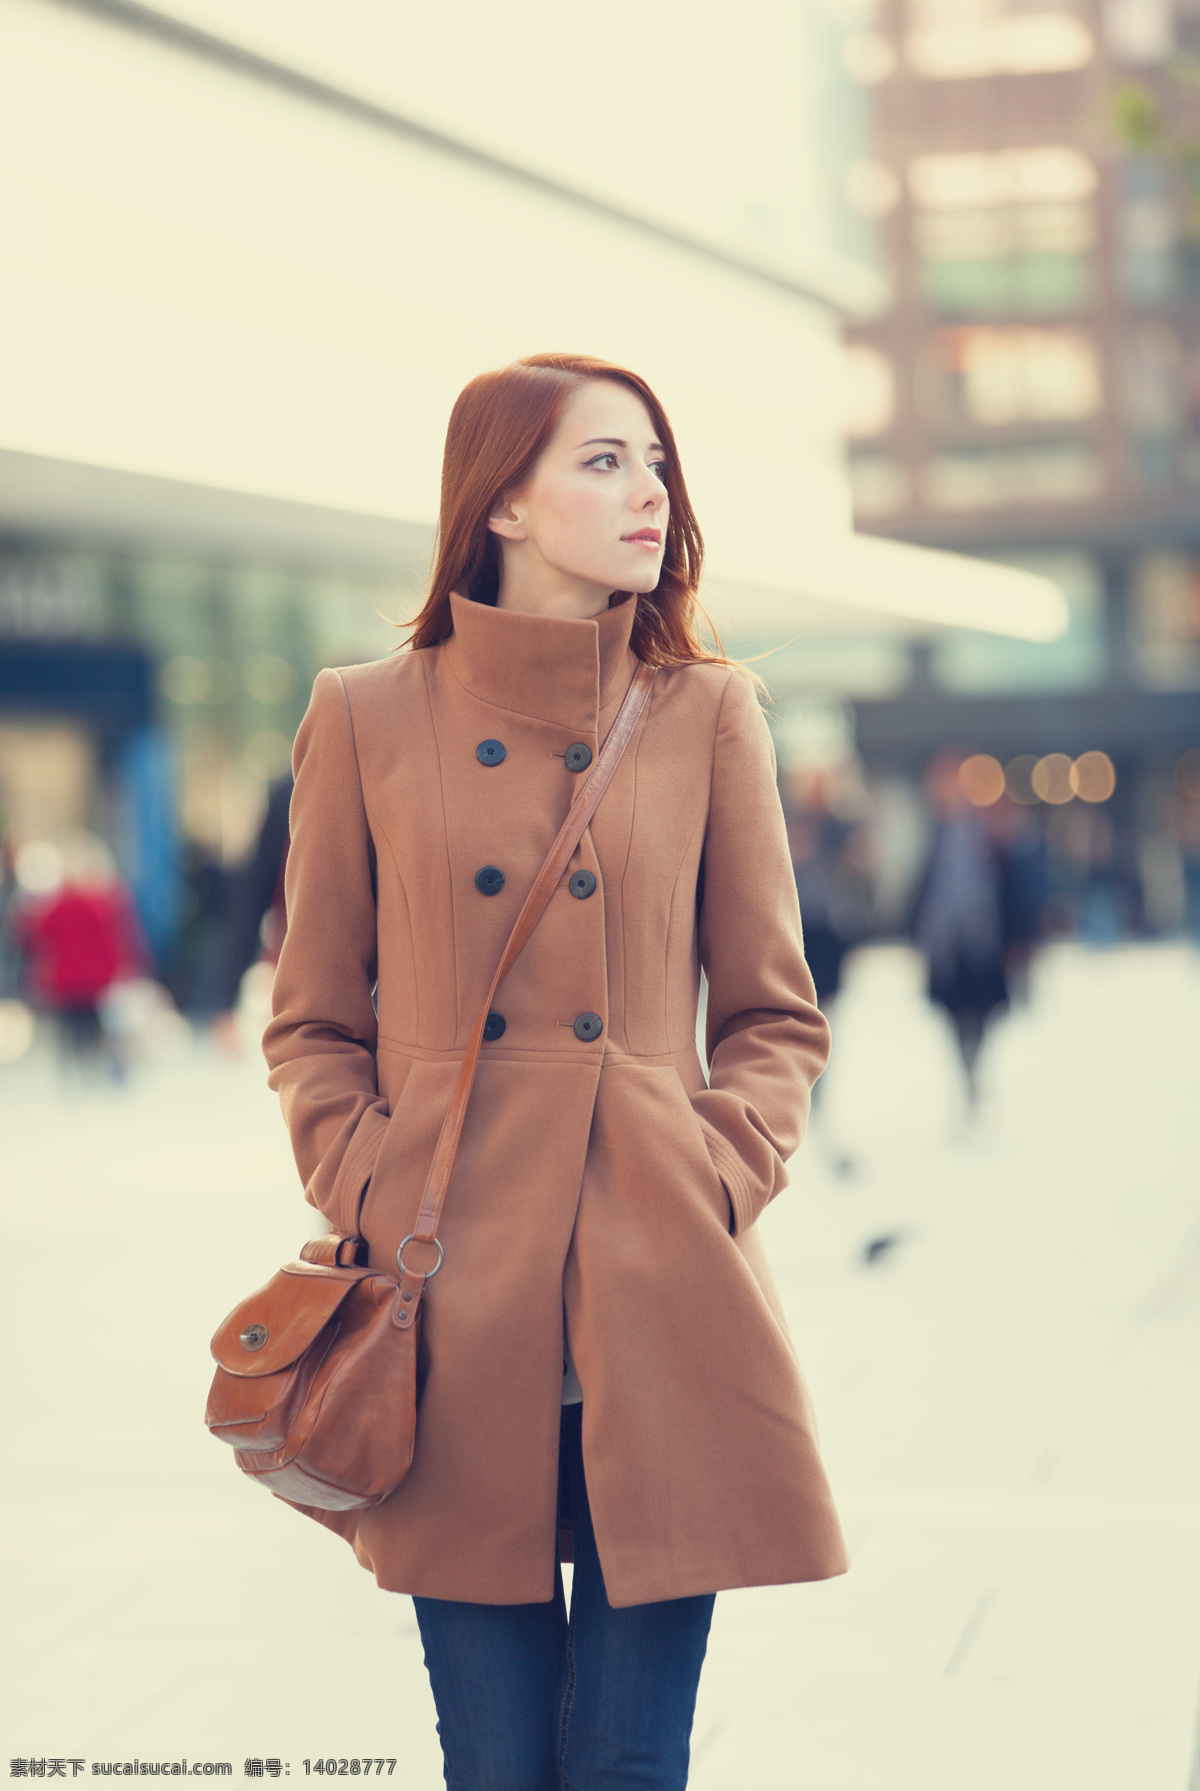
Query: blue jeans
pixel 531 1700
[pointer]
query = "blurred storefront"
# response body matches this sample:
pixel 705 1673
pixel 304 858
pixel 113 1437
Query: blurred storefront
pixel 149 694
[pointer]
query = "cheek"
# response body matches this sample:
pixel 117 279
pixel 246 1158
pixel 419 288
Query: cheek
pixel 579 512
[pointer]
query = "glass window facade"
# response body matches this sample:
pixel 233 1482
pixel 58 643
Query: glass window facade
pixel 981 663
pixel 233 650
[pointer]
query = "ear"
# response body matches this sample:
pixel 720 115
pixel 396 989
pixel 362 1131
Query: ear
pixel 505 521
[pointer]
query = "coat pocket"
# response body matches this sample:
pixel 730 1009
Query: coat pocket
pixel 395 1071
pixel 710 1180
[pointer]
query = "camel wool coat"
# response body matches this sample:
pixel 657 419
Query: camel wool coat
pixel 602 1184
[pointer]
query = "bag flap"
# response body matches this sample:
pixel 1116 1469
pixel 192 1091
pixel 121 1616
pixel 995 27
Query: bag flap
pixel 275 1325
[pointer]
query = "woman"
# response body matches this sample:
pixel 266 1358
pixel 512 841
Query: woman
pixel 604 1346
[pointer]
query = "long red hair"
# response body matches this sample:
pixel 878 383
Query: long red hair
pixel 498 427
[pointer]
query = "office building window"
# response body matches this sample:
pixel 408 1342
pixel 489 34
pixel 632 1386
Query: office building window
pixel 995 377
pixel 1146 231
pixel 955 40
pixel 996 478
pixel 1140 31
pixel 872 188
pixel 1154 461
pixel 1153 398
pixel 1165 590
pixel 1009 231
pixel 867 57
pixel 1152 378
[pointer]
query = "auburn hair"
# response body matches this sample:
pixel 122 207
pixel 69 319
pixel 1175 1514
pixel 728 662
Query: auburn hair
pixel 499 425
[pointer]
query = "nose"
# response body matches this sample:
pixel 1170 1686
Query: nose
pixel 648 493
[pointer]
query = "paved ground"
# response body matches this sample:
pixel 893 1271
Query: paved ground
pixel 1008 1398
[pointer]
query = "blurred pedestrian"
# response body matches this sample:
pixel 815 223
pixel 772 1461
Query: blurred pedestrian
pixel 1185 830
pixel 605 1353
pixel 10 954
pixel 251 923
pixel 78 939
pixel 834 894
pixel 962 917
pixel 835 901
pixel 1026 885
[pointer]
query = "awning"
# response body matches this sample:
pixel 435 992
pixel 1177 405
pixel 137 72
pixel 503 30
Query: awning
pixel 848 582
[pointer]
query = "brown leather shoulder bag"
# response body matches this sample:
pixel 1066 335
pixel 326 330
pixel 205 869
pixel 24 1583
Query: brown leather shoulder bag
pixel 316 1382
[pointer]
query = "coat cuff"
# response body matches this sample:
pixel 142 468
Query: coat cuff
pixel 356 1169
pixel 732 1171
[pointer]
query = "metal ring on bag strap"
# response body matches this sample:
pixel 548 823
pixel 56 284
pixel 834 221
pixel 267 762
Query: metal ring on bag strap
pixel 437 1244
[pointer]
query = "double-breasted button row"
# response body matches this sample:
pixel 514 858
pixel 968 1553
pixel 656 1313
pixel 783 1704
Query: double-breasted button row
pixel 587 1027
pixel 494 752
pixel 489 881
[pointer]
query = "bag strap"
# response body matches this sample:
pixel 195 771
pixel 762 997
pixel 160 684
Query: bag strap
pixel 557 859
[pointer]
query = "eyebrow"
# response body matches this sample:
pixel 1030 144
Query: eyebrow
pixel 614 441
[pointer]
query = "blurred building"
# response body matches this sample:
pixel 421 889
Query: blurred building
pixel 1031 392
pixel 250 258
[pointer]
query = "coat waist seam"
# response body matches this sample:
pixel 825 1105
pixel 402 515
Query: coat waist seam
pixel 428 1054
pixel 611 1060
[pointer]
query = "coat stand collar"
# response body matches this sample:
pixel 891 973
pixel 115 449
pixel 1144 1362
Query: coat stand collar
pixel 555 670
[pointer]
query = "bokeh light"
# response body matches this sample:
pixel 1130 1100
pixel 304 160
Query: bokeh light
pixel 1187 774
pixel 185 680
pixel 268 753
pixel 981 779
pixel 39 867
pixel 268 679
pixel 16 1030
pixel 1092 777
pixel 1051 778
pixel 1017 774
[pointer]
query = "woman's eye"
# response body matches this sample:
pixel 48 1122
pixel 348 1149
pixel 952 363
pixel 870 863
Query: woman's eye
pixel 606 462
pixel 659 469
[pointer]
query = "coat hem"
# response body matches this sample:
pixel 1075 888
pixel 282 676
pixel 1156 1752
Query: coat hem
pixel 625 1597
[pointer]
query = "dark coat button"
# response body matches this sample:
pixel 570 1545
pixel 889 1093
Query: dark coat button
pixel 578 757
pixel 489 880
pixel 582 884
pixel 494 1025
pixel 588 1027
pixel 490 752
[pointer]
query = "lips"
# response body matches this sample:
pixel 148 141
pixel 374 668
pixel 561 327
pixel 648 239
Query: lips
pixel 645 538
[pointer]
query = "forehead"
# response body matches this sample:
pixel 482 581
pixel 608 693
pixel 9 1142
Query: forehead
pixel 602 407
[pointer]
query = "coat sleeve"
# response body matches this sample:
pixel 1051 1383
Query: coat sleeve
pixel 767 1039
pixel 320 1044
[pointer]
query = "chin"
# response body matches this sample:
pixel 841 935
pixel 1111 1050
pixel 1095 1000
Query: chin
pixel 644 580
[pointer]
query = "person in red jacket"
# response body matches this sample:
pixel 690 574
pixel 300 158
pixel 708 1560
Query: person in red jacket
pixel 78 940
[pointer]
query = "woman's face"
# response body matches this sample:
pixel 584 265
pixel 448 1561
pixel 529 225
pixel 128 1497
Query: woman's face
pixel 592 518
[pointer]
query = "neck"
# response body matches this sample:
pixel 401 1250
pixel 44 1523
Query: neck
pixel 540 590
